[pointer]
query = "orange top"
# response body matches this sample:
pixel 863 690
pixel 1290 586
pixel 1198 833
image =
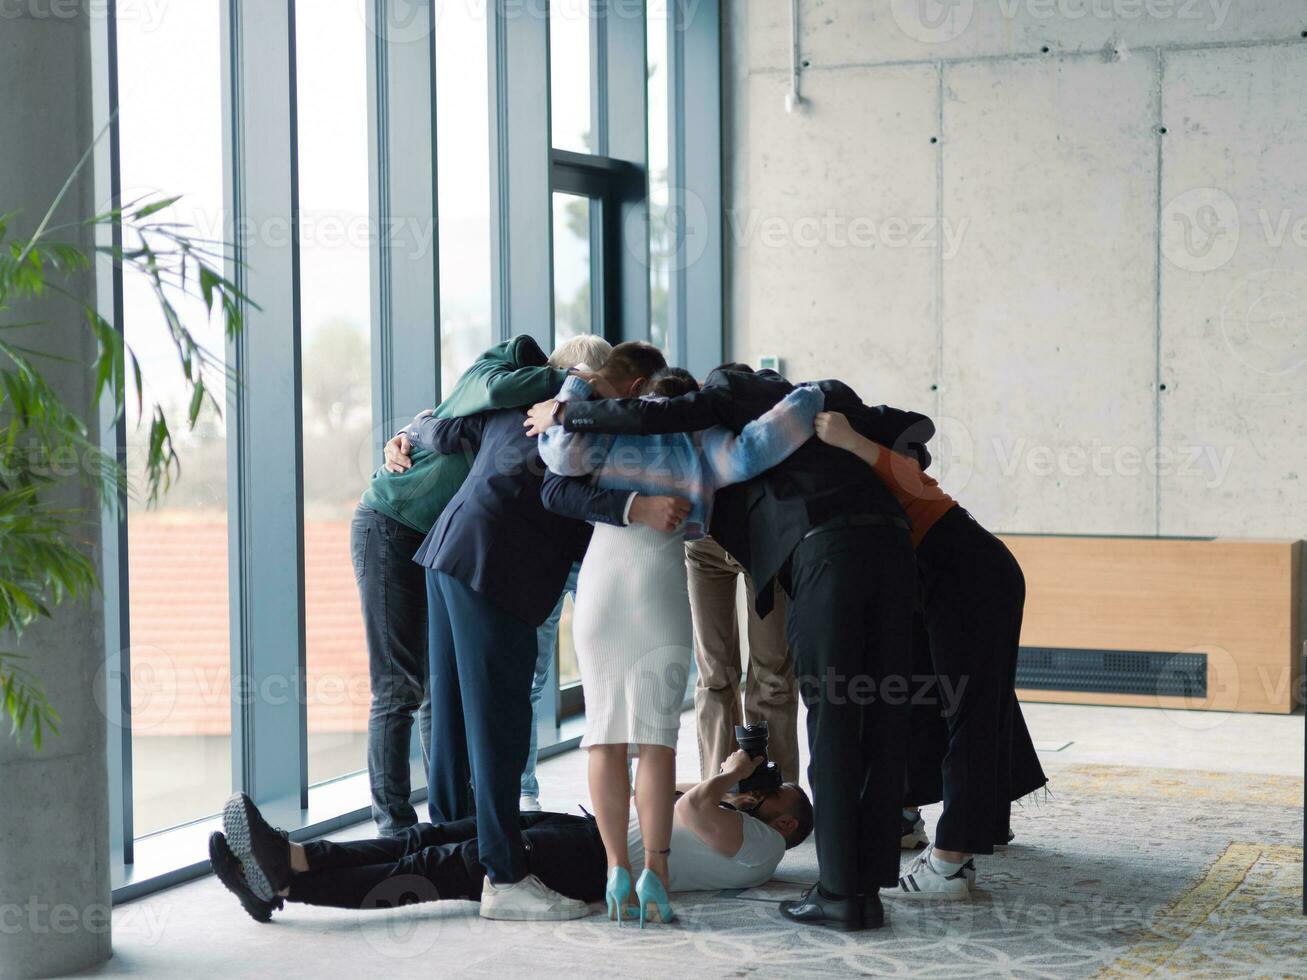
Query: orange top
pixel 917 493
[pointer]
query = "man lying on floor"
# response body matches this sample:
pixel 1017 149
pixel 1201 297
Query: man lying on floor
pixel 719 840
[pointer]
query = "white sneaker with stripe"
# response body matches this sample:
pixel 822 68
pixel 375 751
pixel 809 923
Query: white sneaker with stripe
pixel 924 881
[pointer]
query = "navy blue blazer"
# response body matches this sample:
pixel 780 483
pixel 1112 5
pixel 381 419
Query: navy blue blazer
pixel 496 537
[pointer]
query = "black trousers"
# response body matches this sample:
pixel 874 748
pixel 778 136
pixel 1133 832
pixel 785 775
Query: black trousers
pixel 393 592
pixel 852 594
pixel 929 741
pixel 973 594
pixel 427 862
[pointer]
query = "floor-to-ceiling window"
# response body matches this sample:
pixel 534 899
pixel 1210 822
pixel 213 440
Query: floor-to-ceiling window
pixel 573 292
pixel 357 154
pixel 570 73
pixel 463 185
pixel 601 183
pixel 662 224
pixel 180 663
pixel 335 339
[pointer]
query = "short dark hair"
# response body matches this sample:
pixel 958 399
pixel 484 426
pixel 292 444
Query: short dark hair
pixel 634 359
pixel 672 381
pixel 734 366
pixel 719 377
pixel 801 810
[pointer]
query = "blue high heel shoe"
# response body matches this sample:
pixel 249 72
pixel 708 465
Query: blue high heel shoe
pixel 649 891
pixel 617 894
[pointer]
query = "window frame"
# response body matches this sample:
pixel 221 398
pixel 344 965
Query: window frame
pixel 611 185
pixel 266 514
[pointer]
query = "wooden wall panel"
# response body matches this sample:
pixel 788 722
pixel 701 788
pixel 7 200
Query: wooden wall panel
pixel 1235 600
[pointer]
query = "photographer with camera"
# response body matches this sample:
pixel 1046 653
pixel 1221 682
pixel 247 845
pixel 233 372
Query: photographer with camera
pixel 715 817
pixel 720 840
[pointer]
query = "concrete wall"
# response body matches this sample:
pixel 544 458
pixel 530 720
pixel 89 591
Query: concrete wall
pixel 1074 231
pixel 54 824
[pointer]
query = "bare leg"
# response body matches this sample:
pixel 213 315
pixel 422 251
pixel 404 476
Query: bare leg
pixel 655 791
pixel 610 791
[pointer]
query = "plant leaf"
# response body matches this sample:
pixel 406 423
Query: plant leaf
pixel 155 207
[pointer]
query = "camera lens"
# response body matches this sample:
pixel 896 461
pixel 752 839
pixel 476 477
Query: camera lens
pixel 752 739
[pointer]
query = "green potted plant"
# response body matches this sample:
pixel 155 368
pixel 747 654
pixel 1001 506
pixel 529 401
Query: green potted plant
pixel 45 555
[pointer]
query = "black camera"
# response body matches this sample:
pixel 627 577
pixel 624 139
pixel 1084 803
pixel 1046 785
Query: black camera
pixel 753 740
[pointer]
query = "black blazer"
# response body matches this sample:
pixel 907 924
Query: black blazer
pixel 736 398
pixel 496 537
pixel 762 521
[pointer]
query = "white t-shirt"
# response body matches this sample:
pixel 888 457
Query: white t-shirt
pixel 693 866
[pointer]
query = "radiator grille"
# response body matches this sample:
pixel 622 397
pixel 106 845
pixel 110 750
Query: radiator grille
pixel 1113 672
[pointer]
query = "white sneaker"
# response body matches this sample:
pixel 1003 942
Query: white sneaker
pixel 924 882
pixel 528 804
pixel 528 900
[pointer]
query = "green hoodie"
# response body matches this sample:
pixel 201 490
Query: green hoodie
pixel 514 374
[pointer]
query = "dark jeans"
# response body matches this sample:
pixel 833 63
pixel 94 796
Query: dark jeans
pixel 426 863
pixel 973 594
pixel 547 652
pixel 482 662
pixel 393 593
pixel 850 620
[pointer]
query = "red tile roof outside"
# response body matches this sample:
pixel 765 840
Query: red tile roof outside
pixel 180 628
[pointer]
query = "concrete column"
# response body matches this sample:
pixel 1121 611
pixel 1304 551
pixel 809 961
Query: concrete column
pixel 54 827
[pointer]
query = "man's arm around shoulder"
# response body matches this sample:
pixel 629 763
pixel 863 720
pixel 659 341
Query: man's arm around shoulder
pixel 649 416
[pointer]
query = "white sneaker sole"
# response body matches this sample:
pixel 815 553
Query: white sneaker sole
pixel 488 911
pixel 962 894
pixel 236 828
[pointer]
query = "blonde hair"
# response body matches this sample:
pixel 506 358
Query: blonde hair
pixel 588 349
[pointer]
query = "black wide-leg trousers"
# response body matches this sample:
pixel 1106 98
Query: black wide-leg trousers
pixel 849 627
pixel 929 741
pixel 973 594
pixel 429 862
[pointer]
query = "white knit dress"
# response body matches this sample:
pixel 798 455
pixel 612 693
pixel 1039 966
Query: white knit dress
pixel 632 633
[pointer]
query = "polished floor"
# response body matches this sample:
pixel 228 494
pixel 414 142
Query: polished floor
pixel 1169 843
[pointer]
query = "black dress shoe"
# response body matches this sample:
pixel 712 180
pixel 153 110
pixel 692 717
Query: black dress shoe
pixel 817 909
pixel 873 913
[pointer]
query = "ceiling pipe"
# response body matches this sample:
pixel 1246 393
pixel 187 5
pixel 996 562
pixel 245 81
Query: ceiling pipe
pixel 793 98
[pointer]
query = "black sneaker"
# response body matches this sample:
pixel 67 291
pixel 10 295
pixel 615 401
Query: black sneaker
pixel 912 832
pixel 229 872
pixel 263 850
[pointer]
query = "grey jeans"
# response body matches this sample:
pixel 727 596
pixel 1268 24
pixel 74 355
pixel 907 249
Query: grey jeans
pixel 392 589
pixel 546 650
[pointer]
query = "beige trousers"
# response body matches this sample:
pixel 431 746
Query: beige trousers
pixel 770 693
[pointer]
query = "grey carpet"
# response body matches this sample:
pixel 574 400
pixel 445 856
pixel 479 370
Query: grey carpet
pixel 1119 871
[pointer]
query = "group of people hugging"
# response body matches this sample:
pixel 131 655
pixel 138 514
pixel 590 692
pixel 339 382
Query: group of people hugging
pixel 646 494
